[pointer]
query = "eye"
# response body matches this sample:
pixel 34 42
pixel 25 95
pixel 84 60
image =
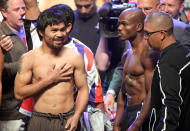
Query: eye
pixel 79 6
pixel 87 6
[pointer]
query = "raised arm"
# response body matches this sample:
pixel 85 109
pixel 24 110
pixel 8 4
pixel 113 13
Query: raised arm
pixel 32 9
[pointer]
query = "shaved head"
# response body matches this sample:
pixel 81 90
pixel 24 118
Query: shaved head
pixel 160 21
pixel 131 23
pixel 135 14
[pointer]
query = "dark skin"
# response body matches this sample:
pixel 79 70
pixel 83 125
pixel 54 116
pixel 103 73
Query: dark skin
pixel 138 63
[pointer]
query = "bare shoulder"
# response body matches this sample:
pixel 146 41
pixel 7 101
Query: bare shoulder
pixel 125 54
pixel 149 56
pixel 75 57
pixel 26 60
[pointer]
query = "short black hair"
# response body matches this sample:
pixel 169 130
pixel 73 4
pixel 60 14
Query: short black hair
pixel 55 15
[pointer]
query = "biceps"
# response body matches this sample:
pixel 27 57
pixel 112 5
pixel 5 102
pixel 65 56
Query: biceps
pixel 80 77
pixel 23 79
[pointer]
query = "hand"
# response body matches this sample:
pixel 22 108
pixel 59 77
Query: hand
pixel 72 123
pixel 62 73
pixel 109 103
pixel 30 3
pixel 6 43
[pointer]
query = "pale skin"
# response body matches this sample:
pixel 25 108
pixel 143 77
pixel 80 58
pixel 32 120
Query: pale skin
pixel 44 75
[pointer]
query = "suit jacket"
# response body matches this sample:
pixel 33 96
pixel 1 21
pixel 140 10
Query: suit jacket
pixel 8 110
pixel 182 32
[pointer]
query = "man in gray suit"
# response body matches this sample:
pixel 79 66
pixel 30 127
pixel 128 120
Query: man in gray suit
pixel 11 32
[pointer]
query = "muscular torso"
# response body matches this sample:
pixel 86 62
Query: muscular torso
pixel 134 78
pixel 57 98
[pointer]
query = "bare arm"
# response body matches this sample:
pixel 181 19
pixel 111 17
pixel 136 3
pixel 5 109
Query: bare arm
pixel 1 70
pixel 23 82
pixel 102 55
pixel 83 94
pixel 120 110
pixel 32 9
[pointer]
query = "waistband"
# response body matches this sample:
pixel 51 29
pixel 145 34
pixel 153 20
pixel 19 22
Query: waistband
pixel 55 116
pixel 135 107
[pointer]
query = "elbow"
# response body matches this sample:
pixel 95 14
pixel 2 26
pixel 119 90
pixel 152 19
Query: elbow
pixel 18 96
pixel 102 66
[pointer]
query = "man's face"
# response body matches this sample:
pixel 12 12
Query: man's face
pixel 127 26
pixel 148 6
pixel 172 7
pixel 85 8
pixel 13 14
pixel 55 36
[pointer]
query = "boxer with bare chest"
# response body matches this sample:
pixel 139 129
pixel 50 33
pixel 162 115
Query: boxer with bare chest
pixel 136 61
pixel 43 75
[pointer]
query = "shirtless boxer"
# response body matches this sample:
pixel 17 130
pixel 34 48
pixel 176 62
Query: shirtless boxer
pixel 131 23
pixel 42 75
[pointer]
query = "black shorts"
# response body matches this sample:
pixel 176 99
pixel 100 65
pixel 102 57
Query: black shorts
pixel 129 116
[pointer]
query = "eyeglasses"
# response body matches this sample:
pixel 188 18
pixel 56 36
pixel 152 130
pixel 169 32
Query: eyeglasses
pixel 148 34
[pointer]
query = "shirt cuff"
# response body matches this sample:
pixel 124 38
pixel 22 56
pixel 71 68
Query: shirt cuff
pixel 112 92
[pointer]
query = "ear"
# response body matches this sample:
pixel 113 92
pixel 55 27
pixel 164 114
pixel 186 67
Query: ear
pixel 162 35
pixel 4 13
pixel 41 34
pixel 139 27
pixel 69 27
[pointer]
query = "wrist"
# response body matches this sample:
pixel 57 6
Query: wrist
pixel 112 92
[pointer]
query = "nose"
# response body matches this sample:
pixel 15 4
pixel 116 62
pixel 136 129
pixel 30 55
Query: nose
pixel 83 10
pixel 22 12
pixel 59 33
pixel 119 27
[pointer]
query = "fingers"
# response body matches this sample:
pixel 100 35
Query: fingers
pixel 66 71
pixel 106 107
pixel 68 124
pixel 109 103
pixel 6 43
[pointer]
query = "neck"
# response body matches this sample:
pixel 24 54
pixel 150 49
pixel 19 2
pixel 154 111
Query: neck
pixel 135 42
pixel 167 41
pixel 15 29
